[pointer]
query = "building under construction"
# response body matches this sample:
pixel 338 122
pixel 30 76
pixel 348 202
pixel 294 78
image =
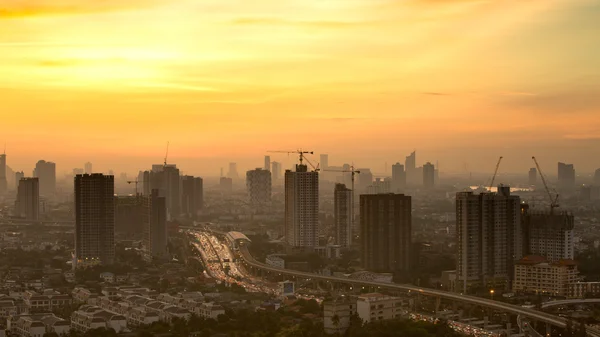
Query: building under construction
pixel 547 233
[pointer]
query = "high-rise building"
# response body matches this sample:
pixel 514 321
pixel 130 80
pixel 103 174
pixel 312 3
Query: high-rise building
pixel 226 184
pixel 3 180
pixel 597 177
pixel 166 180
pixel 94 219
pixel 77 171
pixel 302 207
pixel 324 164
pixel 532 176
pixel 155 225
pixel 275 171
pixel 233 173
pixel 19 176
pixel 343 214
pixel 428 175
pixel 489 237
pixel 566 175
pixel 548 234
pixel 88 168
pixel 46 172
pixel 410 166
pixel 191 196
pixel 398 177
pixel 129 217
pixel 258 186
pixel 27 205
pixel 385 232
pixel 380 186
pixel 267 163
pixel 365 179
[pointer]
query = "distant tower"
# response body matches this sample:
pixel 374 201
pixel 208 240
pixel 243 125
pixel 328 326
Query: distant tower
pixel 566 175
pixel 46 171
pixel 385 232
pixel 302 207
pixel 191 196
pixel 87 167
pixel 94 219
pixel 258 185
pixel 324 161
pixel 532 176
pixel 3 181
pixel 342 211
pixel 27 205
pixel 275 171
pixel 597 177
pixel 428 175
pixel 411 168
pixel 233 173
pixel 267 163
pixel 19 176
pixel 398 177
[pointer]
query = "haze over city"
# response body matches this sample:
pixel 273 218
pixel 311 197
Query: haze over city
pixel 367 81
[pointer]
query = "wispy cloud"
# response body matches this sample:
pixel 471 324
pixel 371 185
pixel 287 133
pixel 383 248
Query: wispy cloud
pixel 283 22
pixel 25 8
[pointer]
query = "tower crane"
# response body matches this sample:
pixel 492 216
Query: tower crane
pixel 553 201
pixel 352 171
pixel 495 173
pixel 136 185
pixel 301 155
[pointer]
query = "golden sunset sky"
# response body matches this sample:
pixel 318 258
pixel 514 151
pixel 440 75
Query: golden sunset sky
pixel 367 81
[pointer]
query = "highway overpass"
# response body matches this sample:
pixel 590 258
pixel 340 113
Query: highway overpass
pixel 531 314
pixel 570 302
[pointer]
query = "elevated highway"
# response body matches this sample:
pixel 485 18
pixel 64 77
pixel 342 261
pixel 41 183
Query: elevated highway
pixel 570 302
pixel 531 314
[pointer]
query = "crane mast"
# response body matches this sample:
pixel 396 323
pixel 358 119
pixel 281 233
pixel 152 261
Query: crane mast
pixel 495 173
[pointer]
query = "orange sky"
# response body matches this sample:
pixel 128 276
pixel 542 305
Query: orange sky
pixel 463 81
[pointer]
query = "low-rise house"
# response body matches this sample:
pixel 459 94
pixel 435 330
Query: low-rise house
pixel 46 303
pixel 209 310
pixel 92 317
pixel 37 325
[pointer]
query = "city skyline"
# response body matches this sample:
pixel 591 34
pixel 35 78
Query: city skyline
pixel 153 66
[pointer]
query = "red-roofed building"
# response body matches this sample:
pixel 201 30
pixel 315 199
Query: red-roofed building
pixel 535 274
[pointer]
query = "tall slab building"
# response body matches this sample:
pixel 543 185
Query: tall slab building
pixel 386 232
pixel 301 207
pixel 94 219
pixel 27 205
pixel 258 186
pixel 343 215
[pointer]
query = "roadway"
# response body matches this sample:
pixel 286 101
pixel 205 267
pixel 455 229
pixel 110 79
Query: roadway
pixel 570 302
pixel 491 304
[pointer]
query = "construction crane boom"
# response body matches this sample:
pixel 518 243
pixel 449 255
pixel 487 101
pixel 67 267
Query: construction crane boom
pixel 166 154
pixel 301 155
pixel 495 173
pixel 351 170
pixel 553 201
pixel 136 185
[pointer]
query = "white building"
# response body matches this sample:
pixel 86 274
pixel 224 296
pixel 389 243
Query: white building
pixel 302 207
pixel 336 315
pixel 275 260
pixel 549 234
pixel 209 310
pixel 258 186
pixel 90 317
pixel 583 289
pixel 536 274
pixel 377 307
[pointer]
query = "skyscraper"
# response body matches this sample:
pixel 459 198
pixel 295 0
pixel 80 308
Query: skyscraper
pixel 166 180
pixel 548 234
pixel 275 171
pixel 3 180
pixel 385 232
pixel 129 217
pixel 46 172
pixel 398 177
pixel 532 176
pixel 258 186
pixel 191 196
pixel 365 179
pixel 410 167
pixel 302 207
pixel 324 164
pixel 597 177
pixel 88 168
pixel 27 205
pixel 343 214
pixel 267 163
pixel 428 175
pixel 94 219
pixel 155 226
pixel 566 175
pixel 233 173
pixel 489 238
